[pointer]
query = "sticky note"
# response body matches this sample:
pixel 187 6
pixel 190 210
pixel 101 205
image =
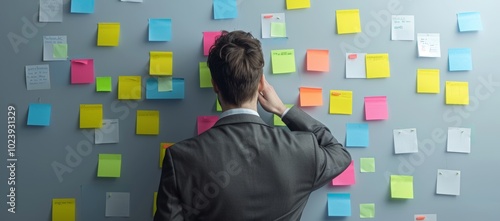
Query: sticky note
pixel 103 84
pixel 163 150
pixel 148 122
pixel 117 204
pixel 50 11
pixel 160 29
pixel 429 45
pixel 318 60
pixel 55 48
pixel 340 102
pixel 155 197
pixel 37 77
pixel 82 6
pixel 355 65
pixel 225 9
pixel 367 165
pixel 205 76
pixel 283 61
pixel 209 38
pixel 129 88
pixel 108 34
pixel 298 4
pixel 63 209
pixel 39 114
pixel 458 140
pixel 425 217
pixel 377 66
pixel 90 116
pixel 165 84
pixel 469 21
pixel 405 141
pixel 403 28
pixel 218 107
pixel 339 204
pixel 346 178
pixel 428 81
pixel 153 93
pixel 82 71
pixel 108 133
pixel 357 135
pixel 278 30
pixel 348 21
pixel 109 165
pixel 310 96
pixel 376 108
pixel 460 59
pixel 161 63
pixel 448 182
pixel 267 20
pixel 277 119
pixel 206 122
pixel 367 210
pixel 60 51
pixel 401 187
pixel 457 92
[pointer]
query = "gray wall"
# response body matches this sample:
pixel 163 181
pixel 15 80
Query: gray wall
pixel 39 147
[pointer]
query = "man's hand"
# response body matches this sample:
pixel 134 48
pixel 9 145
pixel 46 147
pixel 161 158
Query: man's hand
pixel 270 101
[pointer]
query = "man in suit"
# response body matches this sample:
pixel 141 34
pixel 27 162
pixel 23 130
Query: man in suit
pixel 241 168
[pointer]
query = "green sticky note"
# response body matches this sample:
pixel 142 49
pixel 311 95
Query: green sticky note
pixel 367 210
pixel 218 107
pixel 401 187
pixel 103 84
pixel 283 61
pixel 165 84
pixel 278 29
pixel 109 165
pixel 60 50
pixel 367 165
pixel 277 119
pixel 205 76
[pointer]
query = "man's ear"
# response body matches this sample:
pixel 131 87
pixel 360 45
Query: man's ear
pixel 262 82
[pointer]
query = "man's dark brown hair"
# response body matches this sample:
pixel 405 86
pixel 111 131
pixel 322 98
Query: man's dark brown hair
pixel 236 64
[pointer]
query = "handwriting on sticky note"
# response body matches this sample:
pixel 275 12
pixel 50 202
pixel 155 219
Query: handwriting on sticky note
pixel 37 77
pixel 63 209
pixel 310 96
pixel 340 102
pixel 283 61
pixel 148 122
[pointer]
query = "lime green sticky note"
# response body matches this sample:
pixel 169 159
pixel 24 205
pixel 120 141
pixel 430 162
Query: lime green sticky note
pixel 367 210
pixel 103 84
pixel 218 107
pixel 205 76
pixel 109 165
pixel 402 187
pixel 60 50
pixel 283 61
pixel 165 84
pixel 278 29
pixel 277 119
pixel 367 165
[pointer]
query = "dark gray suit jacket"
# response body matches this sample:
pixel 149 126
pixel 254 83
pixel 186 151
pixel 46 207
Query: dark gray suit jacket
pixel 243 169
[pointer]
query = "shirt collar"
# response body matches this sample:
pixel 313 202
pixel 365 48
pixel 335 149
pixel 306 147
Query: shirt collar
pixel 238 111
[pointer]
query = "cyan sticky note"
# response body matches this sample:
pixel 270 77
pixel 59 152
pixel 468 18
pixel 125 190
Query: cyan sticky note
pixel 160 29
pixel 177 91
pixel 82 6
pixel 357 135
pixel 460 59
pixel 469 21
pixel 339 204
pixel 39 114
pixel 224 9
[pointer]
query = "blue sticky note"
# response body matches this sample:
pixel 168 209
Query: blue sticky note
pixel 39 114
pixel 469 21
pixel 177 91
pixel 357 135
pixel 82 6
pixel 160 29
pixel 224 9
pixel 460 59
pixel 339 204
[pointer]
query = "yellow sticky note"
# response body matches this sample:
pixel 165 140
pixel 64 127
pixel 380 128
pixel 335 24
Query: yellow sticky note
pixel 428 81
pixel 148 122
pixel 63 209
pixel 348 21
pixel 163 149
pixel 457 92
pixel 161 63
pixel 108 34
pixel 340 102
pixel 297 4
pixel 110 165
pixel 377 66
pixel 155 196
pixel 283 61
pixel 90 116
pixel 218 107
pixel 401 187
pixel 277 119
pixel 205 75
pixel 310 97
pixel 129 88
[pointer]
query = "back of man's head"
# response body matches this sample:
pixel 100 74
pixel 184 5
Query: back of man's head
pixel 236 64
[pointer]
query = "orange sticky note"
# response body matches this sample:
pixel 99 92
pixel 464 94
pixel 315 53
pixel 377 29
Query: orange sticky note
pixel 318 60
pixel 310 97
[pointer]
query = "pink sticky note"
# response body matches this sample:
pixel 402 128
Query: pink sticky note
pixel 209 38
pixel 376 108
pixel 345 178
pixel 206 122
pixel 82 71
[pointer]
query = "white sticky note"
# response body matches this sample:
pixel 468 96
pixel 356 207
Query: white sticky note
pixel 425 217
pixel 458 140
pixel 448 182
pixel 117 204
pixel 109 133
pixel 403 28
pixel 51 11
pixel 37 77
pixel 355 65
pixel 405 141
pixel 429 45
pixel 48 47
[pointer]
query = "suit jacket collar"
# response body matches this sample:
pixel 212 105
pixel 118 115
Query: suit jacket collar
pixel 239 118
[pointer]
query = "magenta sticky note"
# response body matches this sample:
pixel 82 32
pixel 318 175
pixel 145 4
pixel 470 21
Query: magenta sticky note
pixel 376 108
pixel 206 122
pixel 82 71
pixel 209 38
pixel 346 178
